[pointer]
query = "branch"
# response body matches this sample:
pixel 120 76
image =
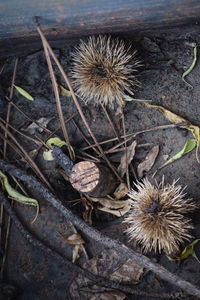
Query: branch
pixel 97 236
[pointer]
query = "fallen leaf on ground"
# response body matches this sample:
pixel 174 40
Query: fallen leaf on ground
pixel 121 191
pixel 115 207
pixel 149 161
pixel 189 250
pixel 126 158
pixel 56 141
pixel 188 147
pixel 88 209
pixel 176 119
pixel 187 72
pixel 33 127
pixel 64 91
pixel 76 240
pixel 23 92
pixel 15 195
pixel 110 265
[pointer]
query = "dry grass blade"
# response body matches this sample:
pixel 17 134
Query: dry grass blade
pixel 57 98
pixel 133 135
pixel 27 157
pixel 78 106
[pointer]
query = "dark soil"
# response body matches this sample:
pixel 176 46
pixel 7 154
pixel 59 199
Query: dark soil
pixel 165 57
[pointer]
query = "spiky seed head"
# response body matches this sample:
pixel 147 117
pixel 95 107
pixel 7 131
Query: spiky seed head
pixel 103 71
pixel 158 217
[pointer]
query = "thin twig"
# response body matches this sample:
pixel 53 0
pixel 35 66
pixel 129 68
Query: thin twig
pixel 27 157
pixel 78 106
pixel 83 135
pixel 134 134
pixel 110 122
pixel 57 98
pixel 126 154
pixel 97 236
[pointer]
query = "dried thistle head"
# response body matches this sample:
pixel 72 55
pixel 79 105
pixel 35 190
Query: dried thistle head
pixel 158 216
pixel 103 71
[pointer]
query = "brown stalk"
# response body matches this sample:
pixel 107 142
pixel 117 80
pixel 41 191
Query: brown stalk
pixel 78 106
pixel 125 146
pixel 57 98
pixel 134 134
pixel 27 157
pixel 4 155
pixel 85 138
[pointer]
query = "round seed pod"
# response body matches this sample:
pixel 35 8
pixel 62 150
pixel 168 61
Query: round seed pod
pixel 104 71
pixel 158 219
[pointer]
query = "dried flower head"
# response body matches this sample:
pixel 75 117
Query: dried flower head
pixel 158 216
pixel 103 71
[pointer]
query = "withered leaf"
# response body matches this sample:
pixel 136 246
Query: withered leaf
pixel 121 191
pixel 126 158
pixel 33 127
pixel 149 161
pixel 115 207
pixel 110 265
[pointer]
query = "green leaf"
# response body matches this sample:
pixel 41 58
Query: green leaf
pixel 55 142
pixel 64 91
pixel 189 250
pixel 191 67
pixel 188 147
pixel 15 195
pixel 23 93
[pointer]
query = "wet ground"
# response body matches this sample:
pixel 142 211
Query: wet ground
pixel 165 57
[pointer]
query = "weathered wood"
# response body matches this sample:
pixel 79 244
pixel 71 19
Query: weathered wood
pixel 69 18
pixel 94 179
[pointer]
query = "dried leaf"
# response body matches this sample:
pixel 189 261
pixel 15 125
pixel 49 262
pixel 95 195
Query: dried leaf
pixel 126 159
pixel 191 67
pixel 75 253
pixel 23 93
pixel 189 250
pixel 87 214
pixel 33 127
pixel 114 207
pixel 149 161
pixel 188 147
pixel 118 213
pixel 64 91
pixel 75 239
pixel 15 195
pixel 108 264
pixel 121 191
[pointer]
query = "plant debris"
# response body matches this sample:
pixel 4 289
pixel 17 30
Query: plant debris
pixel 176 119
pixel 188 147
pixel 35 126
pixel 15 195
pixel 188 251
pixel 110 265
pixel 149 161
pixel 24 93
pixel 126 158
pixel 189 70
